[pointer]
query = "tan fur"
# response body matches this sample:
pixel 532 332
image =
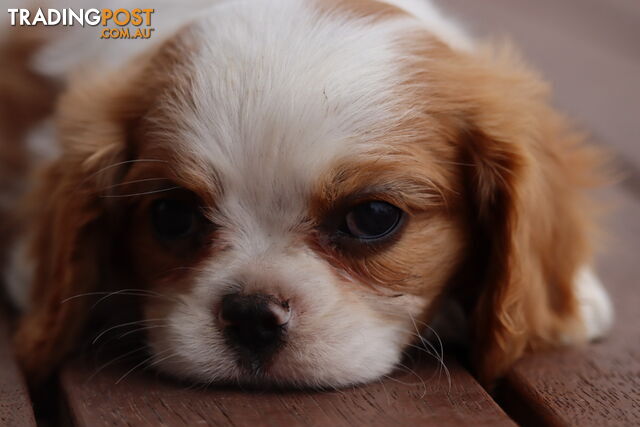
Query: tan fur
pixel 525 172
pixel 67 214
pixel 406 176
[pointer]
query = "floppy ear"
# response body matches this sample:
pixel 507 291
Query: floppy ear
pixel 530 221
pixel 67 239
pixel 97 120
pixel 66 248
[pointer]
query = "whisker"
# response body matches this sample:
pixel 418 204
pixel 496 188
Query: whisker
pixel 135 292
pixel 438 338
pixel 135 181
pixel 427 343
pixel 144 193
pixel 157 361
pixel 144 328
pixel 114 165
pixel 424 385
pixel 122 325
pixel 119 380
pixel 140 364
pixel 112 361
pixel 386 393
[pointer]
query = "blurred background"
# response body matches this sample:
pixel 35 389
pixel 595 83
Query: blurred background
pixel 589 50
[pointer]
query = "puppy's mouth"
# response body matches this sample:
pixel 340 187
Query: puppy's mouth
pixel 256 358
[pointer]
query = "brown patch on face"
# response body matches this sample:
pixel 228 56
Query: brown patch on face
pixel 157 263
pixel 164 264
pixel 419 255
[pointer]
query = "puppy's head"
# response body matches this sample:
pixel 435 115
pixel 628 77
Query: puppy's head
pixel 294 187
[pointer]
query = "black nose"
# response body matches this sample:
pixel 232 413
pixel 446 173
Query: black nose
pixel 254 324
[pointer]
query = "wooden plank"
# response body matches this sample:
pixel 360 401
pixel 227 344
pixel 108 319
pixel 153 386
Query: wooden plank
pixel 587 49
pixel 422 397
pixel 15 405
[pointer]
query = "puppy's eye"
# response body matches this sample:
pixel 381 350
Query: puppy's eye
pixel 174 219
pixel 372 220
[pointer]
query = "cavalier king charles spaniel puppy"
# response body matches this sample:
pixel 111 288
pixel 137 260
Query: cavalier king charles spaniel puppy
pixel 293 188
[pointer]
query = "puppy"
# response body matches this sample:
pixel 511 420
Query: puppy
pixel 294 188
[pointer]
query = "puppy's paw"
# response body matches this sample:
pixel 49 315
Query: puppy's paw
pixel 596 309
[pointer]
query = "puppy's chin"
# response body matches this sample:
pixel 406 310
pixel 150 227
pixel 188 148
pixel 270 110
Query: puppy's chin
pixel 349 349
pixel 284 371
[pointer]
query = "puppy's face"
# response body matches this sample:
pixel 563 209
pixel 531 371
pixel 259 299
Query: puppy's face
pixel 293 218
pixel 290 285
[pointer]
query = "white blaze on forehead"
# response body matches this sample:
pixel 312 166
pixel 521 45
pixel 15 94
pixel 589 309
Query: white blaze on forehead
pixel 279 90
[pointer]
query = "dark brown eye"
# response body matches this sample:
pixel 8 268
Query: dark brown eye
pixel 372 220
pixel 174 219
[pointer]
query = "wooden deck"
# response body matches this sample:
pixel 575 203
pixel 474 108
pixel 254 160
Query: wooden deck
pixel 590 51
pixel 422 397
pixel 15 405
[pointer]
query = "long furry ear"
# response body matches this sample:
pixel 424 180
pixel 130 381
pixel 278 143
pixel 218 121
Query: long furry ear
pixel 97 119
pixel 68 229
pixel 530 221
pixel 66 246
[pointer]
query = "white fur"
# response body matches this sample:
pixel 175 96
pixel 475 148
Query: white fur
pixel 596 309
pixel 283 92
pixel 331 342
